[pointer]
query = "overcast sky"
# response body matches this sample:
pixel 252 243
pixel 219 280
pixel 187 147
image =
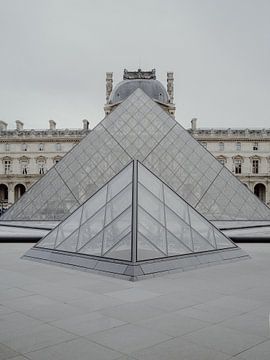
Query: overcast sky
pixel 54 55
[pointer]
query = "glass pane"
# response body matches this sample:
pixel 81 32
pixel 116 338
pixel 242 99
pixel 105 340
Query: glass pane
pixel 222 241
pixel 49 240
pixel 145 250
pixel 91 227
pixel 151 204
pixel 200 244
pixel 118 204
pixel 150 181
pixel 94 246
pixel 122 250
pixel 175 247
pixel 94 204
pixel 115 231
pixel 68 226
pixel 178 228
pixel 152 230
pixel 120 181
pixel 202 227
pixel 70 244
pixel 174 202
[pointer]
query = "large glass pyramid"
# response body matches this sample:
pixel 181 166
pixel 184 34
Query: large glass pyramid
pixel 133 221
pixel 139 129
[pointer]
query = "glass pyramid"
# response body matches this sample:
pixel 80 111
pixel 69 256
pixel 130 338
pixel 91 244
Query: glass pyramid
pixel 135 217
pixel 139 129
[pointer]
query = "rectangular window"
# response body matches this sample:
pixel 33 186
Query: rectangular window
pixel 255 166
pixel 255 146
pixel 41 147
pixel 24 147
pixel 7 147
pixel 24 168
pixel 238 146
pixel 58 147
pixel 41 168
pixel 7 166
pixel 237 166
pixel 221 146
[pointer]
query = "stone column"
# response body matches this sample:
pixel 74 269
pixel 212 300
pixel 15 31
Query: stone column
pixel 11 193
pixel 170 87
pixel 109 85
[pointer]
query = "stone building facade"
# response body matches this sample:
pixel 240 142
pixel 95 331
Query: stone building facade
pixel 245 152
pixel 25 155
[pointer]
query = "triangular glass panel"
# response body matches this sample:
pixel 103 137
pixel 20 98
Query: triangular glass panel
pixel 98 200
pixel 121 250
pixel 222 241
pixel 116 230
pixel 175 246
pixel 91 227
pixel 151 204
pixel 118 204
pixel 202 227
pixel 94 246
pixel 146 250
pixel 152 230
pixel 200 243
pixel 173 201
pixel 68 226
pixel 70 244
pixel 48 241
pixel 178 228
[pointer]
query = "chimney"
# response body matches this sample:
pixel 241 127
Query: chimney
pixel 194 124
pixel 85 124
pixel 3 125
pixel 170 89
pixel 52 125
pixel 109 85
pixel 19 125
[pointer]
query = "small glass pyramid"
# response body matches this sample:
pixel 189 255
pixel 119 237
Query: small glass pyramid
pixel 134 218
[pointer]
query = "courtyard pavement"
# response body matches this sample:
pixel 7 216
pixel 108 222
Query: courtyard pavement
pixel 213 313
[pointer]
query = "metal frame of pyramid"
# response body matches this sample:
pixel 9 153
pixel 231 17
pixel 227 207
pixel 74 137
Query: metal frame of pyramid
pixel 133 227
pixel 139 129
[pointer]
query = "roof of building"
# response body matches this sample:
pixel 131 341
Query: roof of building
pixel 153 88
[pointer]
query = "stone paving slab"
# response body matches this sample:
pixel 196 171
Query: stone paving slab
pixel 212 313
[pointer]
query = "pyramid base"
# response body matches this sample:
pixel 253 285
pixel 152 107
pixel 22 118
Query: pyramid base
pixel 139 270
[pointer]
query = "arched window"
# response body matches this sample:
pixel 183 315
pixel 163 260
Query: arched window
pixel 41 147
pixel 3 193
pixel 19 190
pixel 260 191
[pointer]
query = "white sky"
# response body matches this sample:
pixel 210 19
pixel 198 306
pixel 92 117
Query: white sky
pixel 54 55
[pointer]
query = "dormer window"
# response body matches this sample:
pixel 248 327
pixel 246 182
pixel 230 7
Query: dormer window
pixel 255 146
pixel 41 147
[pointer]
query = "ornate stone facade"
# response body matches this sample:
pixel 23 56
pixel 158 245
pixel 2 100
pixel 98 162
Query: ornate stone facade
pixel 25 155
pixel 245 152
